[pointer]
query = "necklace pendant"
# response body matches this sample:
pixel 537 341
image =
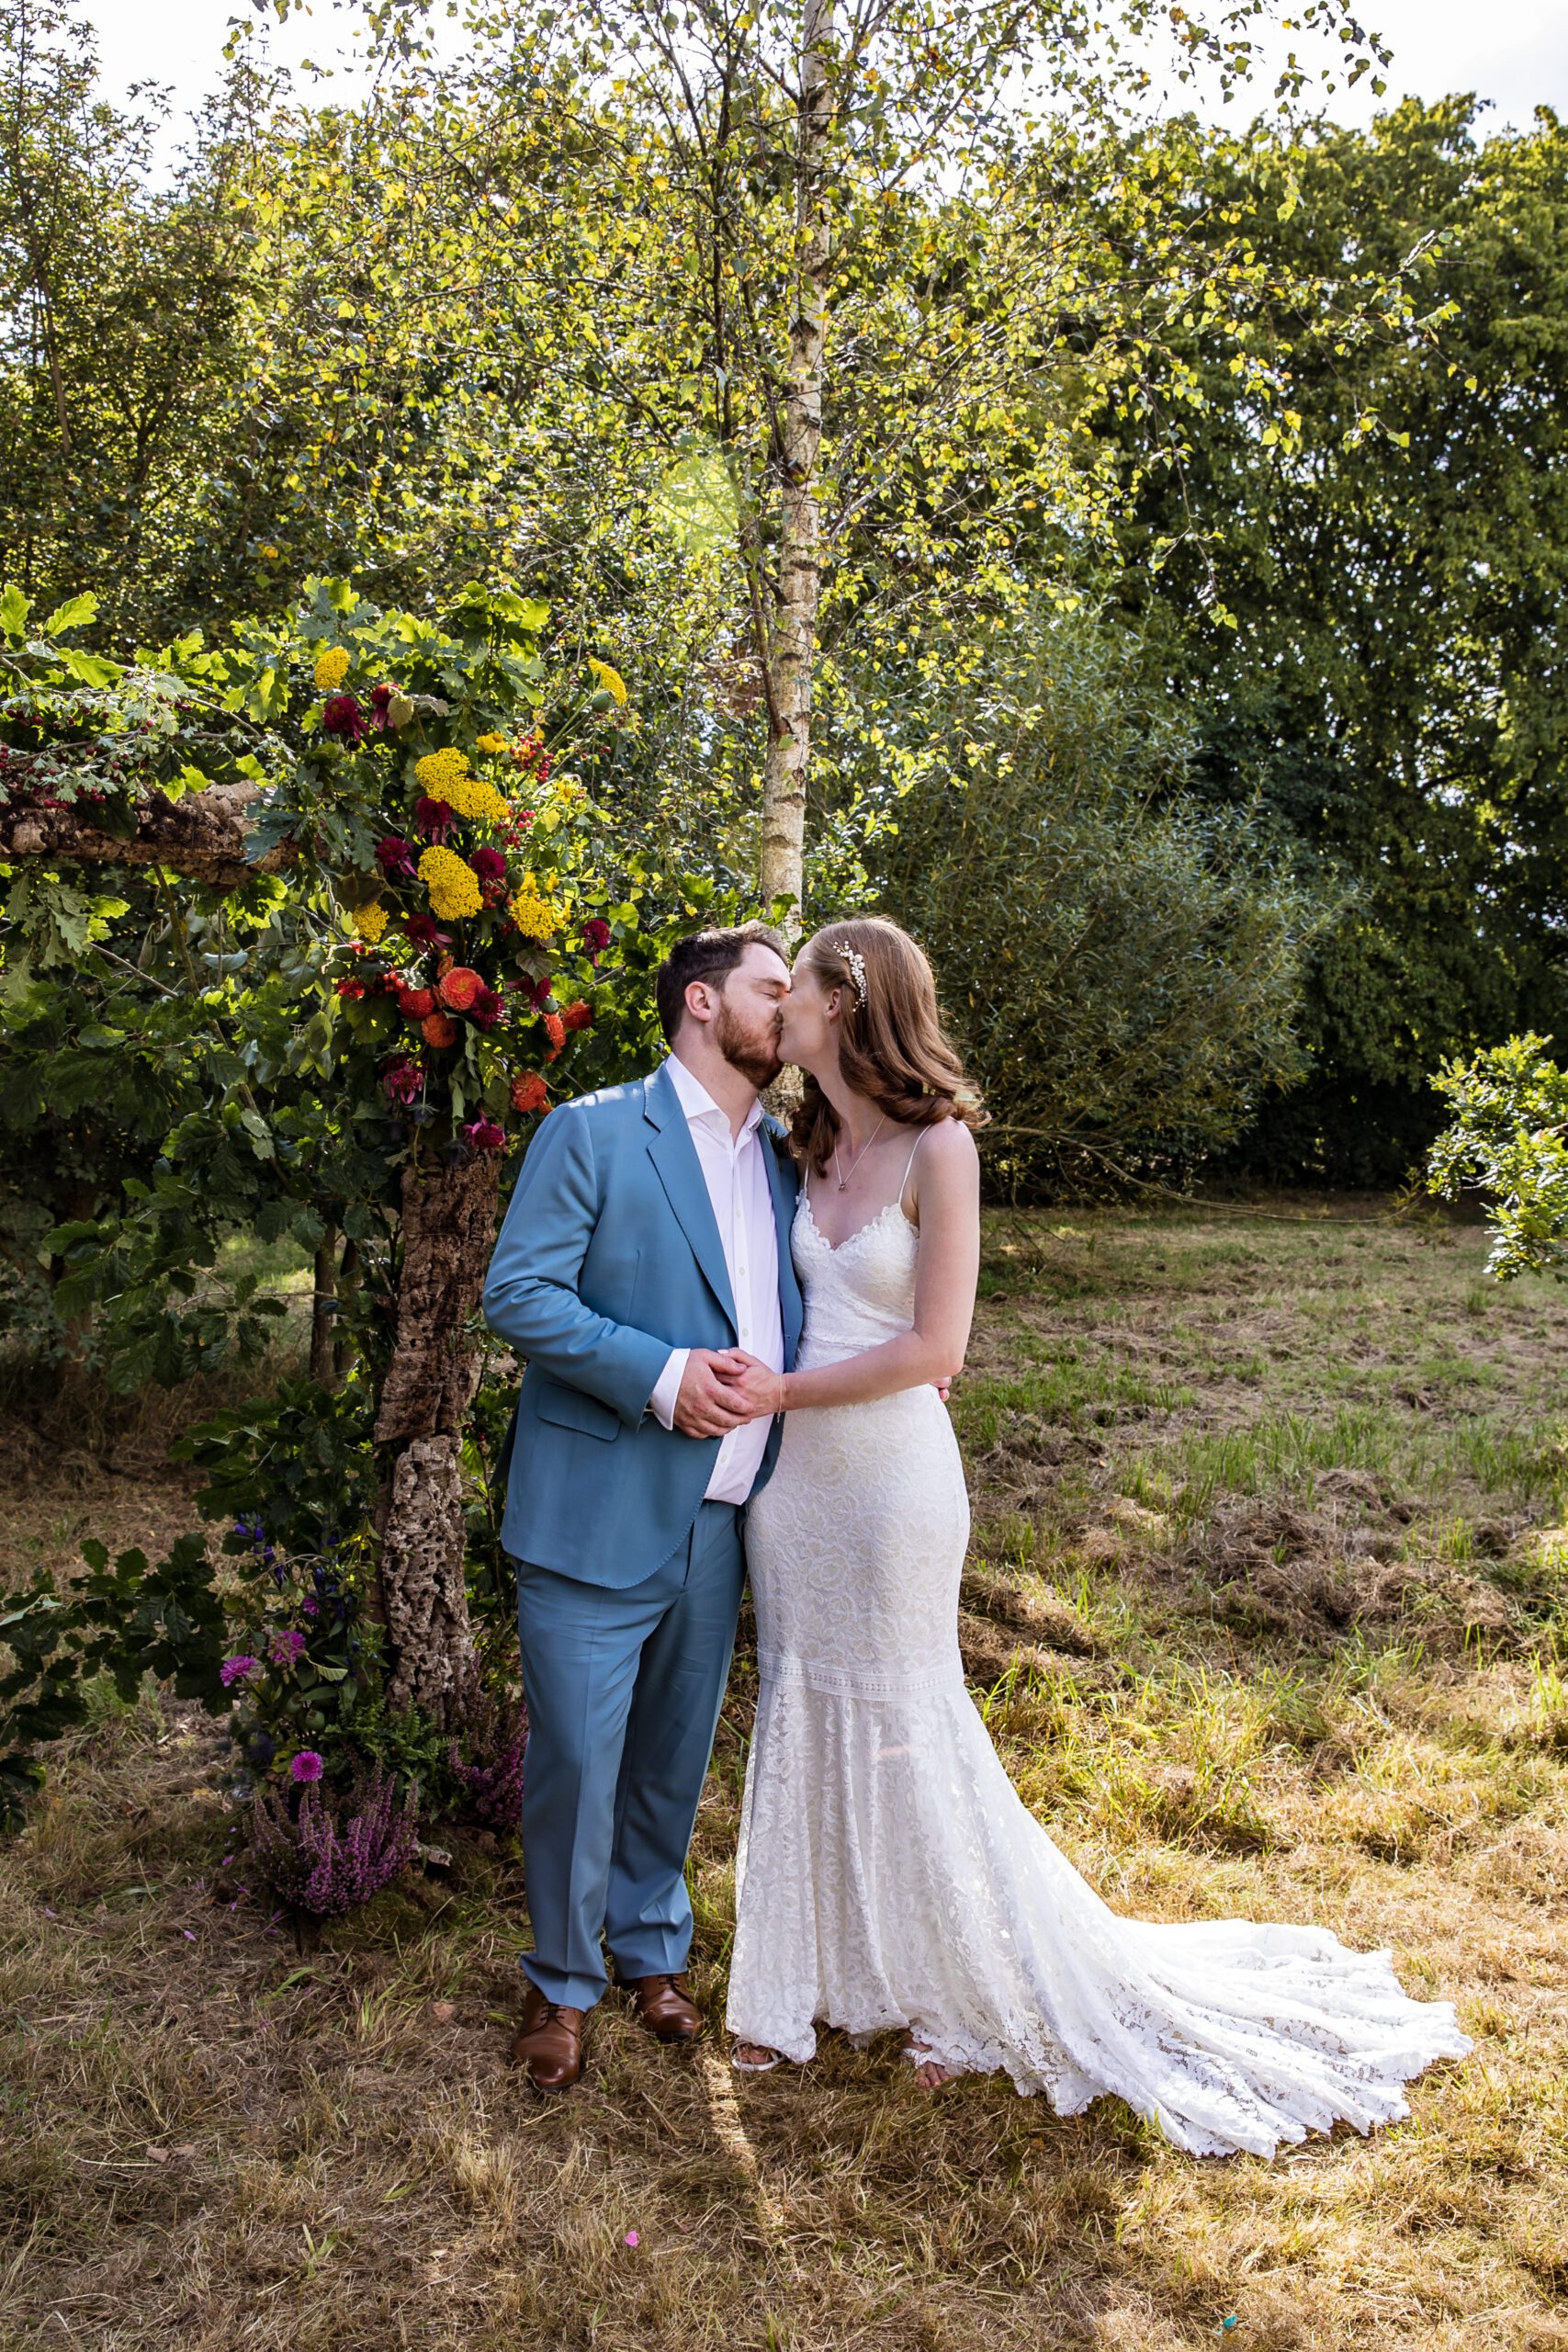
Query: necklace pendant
pixel 844 1185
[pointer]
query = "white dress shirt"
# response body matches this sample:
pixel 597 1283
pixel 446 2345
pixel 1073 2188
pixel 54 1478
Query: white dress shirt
pixel 737 1177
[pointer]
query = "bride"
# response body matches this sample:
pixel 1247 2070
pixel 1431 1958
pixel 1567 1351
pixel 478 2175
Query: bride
pixel 888 1874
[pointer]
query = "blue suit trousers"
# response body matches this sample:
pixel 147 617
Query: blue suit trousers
pixel 623 1690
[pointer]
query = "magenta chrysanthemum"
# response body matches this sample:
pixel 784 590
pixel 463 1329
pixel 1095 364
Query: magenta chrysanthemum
pixel 484 1136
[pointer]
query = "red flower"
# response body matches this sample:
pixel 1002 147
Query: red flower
pixel 395 856
pixel 529 1093
pixel 489 865
pixel 403 1081
pixel 578 1016
pixel 438 1029
pixel 595 936
pixel 486 1010
pixel 433 819
pixel 459 987
pixel 539 989
pixel 555 1030
pixel 416 1004
pixel 379 697
pixel 484 1134
pixel 425 932
pixel 341 714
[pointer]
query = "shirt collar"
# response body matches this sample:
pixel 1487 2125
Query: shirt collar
pixel 698 1104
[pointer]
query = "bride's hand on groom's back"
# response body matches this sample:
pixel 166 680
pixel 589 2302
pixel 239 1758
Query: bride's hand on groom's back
pixel 706 1404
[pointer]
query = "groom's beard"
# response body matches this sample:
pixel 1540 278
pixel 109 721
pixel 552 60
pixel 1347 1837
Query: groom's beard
pixel 755 1058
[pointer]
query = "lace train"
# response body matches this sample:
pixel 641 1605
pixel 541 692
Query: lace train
pixel 890 1876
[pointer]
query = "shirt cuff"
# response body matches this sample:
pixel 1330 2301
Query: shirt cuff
pixel 667 1388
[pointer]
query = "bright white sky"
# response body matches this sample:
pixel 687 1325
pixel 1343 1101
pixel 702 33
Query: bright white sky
pixel 1513 52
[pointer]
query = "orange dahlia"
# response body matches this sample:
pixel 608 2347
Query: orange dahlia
pixel 529 1093
pixel 415 1005
pixel 578 1016
pixel 555 1030
pixel 438 1029
pixel 458 989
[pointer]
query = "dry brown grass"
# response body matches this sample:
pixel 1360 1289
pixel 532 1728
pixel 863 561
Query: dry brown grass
pixel 1267 1606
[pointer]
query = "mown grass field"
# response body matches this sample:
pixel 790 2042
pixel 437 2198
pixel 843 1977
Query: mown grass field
pixel 1266 1600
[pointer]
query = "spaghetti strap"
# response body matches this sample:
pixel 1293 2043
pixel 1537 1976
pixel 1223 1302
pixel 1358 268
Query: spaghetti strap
pixel 908 1165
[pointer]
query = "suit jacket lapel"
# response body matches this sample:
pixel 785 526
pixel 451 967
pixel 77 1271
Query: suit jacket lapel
pixel 674 1154
pixel 781 1184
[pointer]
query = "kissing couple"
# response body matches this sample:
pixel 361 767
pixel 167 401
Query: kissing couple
pixel 737 1345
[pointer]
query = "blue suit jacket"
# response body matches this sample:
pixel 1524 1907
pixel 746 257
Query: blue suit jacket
pixel 610 1257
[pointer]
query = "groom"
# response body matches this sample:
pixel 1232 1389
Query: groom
pixel 644 1257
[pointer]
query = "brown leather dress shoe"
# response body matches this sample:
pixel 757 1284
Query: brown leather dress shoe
pixel 664 2005
pixel 549 2042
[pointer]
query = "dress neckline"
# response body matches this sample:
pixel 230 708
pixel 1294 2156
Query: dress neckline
pixel 835 1248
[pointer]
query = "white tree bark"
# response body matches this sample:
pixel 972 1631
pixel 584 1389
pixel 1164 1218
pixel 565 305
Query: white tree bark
pixel 791 655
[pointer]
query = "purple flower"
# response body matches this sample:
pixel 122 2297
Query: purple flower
pixel 425 932
pixel 341 714
pixel 595 936
pixel 489 865
pixel 404 1081
pixel 433 819
pixel 326 1860
pixel 306 1766
pixel 238 1669
pixel 309 1608
pixel 395 856
pixel 484 1134
pixel 285 1646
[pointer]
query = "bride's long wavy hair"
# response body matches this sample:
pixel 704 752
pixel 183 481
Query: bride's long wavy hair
pixel 892 1045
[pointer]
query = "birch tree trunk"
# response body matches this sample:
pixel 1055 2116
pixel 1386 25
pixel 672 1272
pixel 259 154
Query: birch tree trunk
pixel 792 652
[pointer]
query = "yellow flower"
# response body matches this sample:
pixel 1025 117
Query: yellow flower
pixel 452 883
pixel 610 678
pixel 370 921
pixel 537 916
pixel 472 797
pixel 439 771
pixel 331 669
pixel 494 744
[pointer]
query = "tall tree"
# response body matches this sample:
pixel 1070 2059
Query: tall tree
pixel 1366 576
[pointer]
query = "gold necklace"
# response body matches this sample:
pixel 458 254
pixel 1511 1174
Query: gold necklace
pixel 843 1179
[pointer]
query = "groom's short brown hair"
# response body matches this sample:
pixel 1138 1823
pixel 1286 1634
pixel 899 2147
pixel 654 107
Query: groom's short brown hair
pixel 707 956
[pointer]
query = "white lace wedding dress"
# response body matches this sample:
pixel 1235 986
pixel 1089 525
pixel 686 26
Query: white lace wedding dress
pixel 890 1876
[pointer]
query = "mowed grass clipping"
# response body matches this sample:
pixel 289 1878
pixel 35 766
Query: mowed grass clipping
pixel 1265 1607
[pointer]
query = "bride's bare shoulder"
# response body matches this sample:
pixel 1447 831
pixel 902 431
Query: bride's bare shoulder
pixel 948 1144
pixel 945 1168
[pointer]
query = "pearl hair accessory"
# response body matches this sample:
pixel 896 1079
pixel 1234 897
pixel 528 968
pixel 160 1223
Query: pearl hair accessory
pixel 856 963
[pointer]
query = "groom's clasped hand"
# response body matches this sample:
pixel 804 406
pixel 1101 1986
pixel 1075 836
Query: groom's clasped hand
pixel 721 1389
